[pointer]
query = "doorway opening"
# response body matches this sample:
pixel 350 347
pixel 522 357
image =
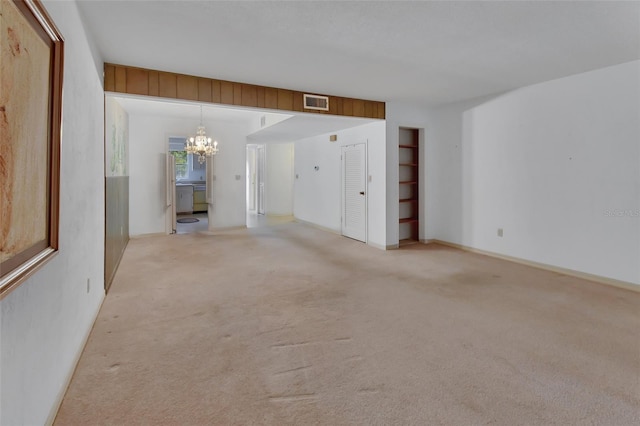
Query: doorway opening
pixel 269 169
pixel 187 179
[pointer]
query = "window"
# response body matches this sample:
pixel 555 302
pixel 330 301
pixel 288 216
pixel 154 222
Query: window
pixel 182 164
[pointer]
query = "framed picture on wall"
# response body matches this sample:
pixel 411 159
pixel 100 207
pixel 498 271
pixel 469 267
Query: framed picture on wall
pixel 30 124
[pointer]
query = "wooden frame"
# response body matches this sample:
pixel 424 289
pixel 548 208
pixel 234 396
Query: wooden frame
pixel 141 81
pixel 31 121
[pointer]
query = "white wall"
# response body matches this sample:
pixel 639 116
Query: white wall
pixel 279 179
pixel 443 170
pixel 44 322
pixel 556 165
pixel 317 194
pixel 148 145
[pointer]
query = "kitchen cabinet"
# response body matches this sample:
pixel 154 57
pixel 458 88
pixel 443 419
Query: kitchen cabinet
pixel 184 198
pixel 199 198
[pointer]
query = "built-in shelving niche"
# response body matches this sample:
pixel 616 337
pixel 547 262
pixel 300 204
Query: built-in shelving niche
pixel 409 183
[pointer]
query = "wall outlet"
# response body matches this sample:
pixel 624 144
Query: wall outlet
pixel 238 177
pixel 88 285
pixel 500 232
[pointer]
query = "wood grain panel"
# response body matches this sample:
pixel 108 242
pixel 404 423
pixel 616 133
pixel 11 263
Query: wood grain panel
pixel 298 101
pixel 216 91
pixel 339 105
pixel 368 109
pixel 186 87
pixel 358 108
pixel 226 92
pixel 237 94
pixel 137 81
pixel 285 99
pixel 271 98
pixel 109 78
pixel 249 95
pixel 260 95
pixel 333 105
pixel 204 90
pixel 347 106
pixel 154 88
pixel 121 79
pixel 167 85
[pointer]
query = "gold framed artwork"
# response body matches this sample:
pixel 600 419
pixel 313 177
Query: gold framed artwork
pixel 31 52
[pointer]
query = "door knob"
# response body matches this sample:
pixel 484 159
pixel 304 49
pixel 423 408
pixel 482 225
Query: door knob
pixel 361 192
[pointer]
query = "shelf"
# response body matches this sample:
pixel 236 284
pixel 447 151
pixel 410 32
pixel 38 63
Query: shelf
pixel 408 171
pixel 408 220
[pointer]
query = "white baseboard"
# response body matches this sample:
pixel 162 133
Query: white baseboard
pixel 583 275
pixel 63 391
pixel 314 225
pixel 382 246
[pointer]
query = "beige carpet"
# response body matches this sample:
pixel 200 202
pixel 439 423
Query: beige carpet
pixel 290 325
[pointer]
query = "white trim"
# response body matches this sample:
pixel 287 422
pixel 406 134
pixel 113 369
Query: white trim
pixel 573 273
pixel 382 247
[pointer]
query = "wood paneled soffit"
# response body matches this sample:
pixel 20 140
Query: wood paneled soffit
pixel 140 81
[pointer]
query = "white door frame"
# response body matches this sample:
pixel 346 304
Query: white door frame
pixel 365 172
pixel 170 201
pixel 261 172
pixel 252 193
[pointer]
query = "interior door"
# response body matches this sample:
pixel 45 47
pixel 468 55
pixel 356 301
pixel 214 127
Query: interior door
pixel 354 191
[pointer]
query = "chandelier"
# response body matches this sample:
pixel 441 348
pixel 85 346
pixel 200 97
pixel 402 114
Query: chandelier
pixel 201 144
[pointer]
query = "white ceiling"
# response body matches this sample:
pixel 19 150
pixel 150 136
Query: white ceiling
pixel 420 52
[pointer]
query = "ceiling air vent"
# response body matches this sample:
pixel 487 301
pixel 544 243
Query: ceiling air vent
pixel 316 102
